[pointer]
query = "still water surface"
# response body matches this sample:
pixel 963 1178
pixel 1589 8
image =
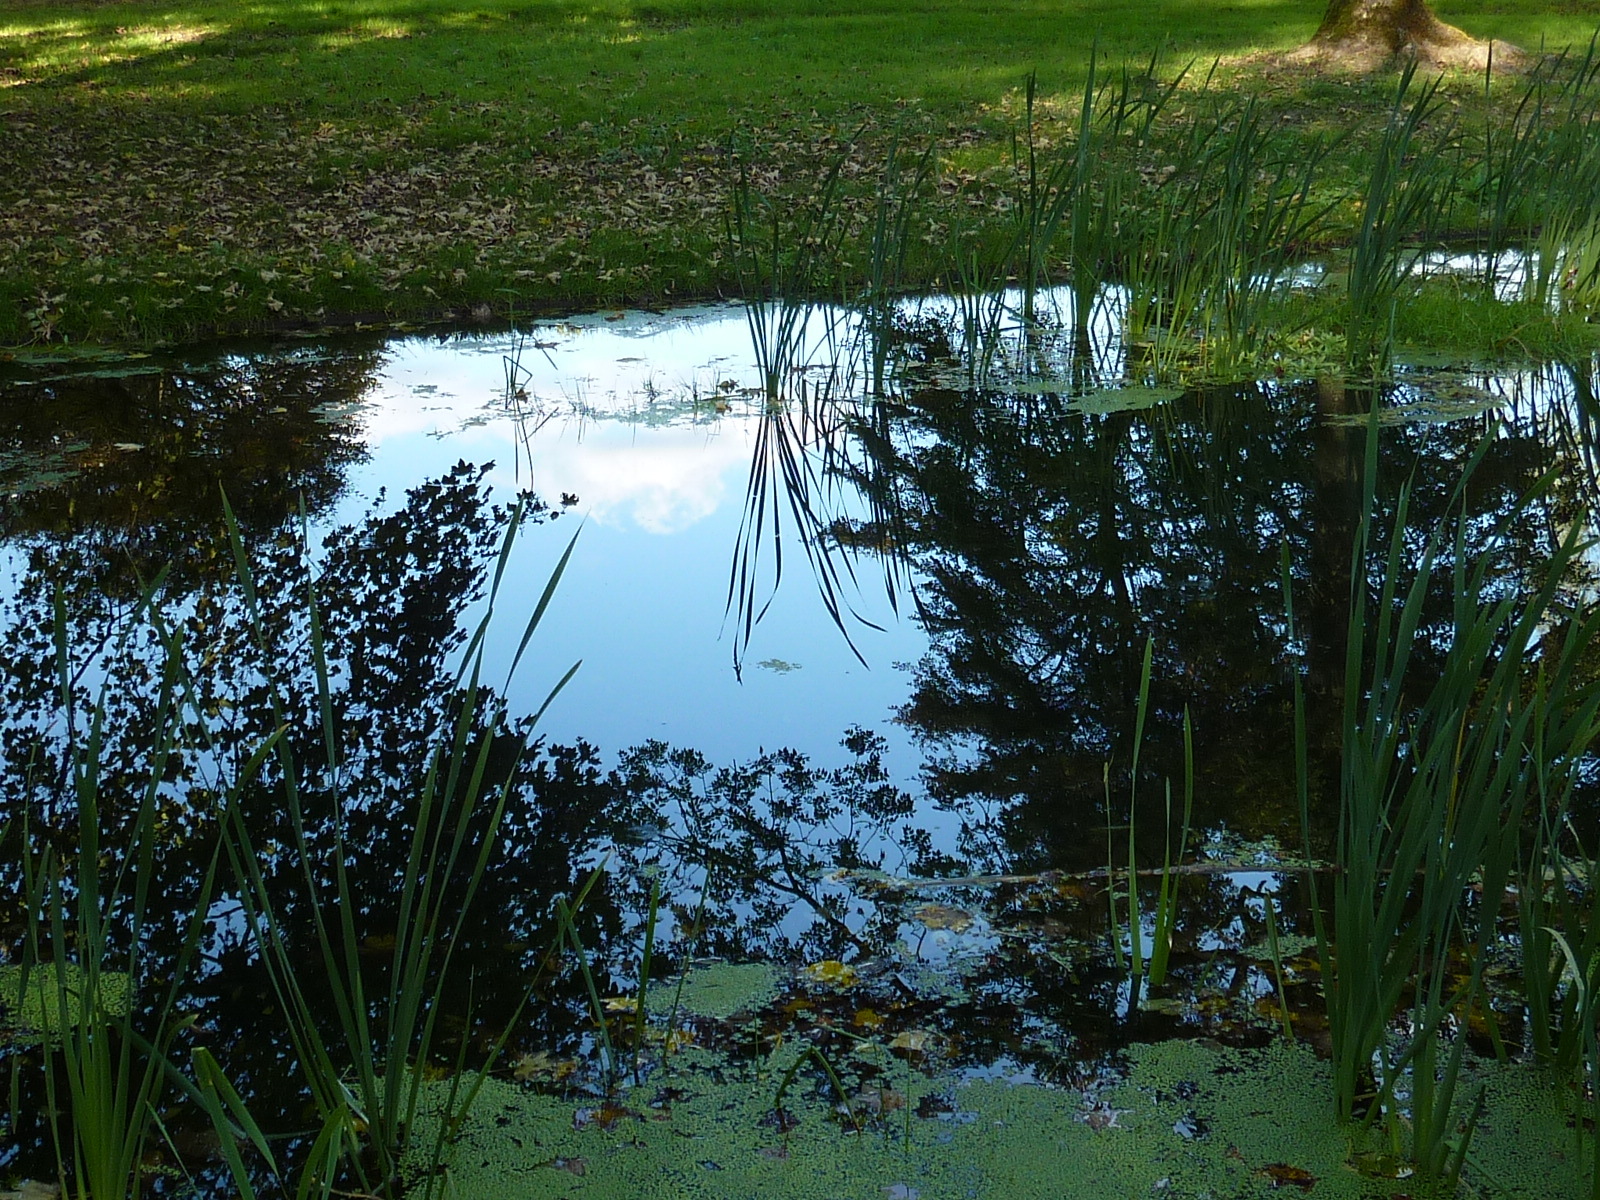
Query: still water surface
pixel 970 570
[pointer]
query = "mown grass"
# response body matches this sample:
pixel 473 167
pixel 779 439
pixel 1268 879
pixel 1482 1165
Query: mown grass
pixel 171 170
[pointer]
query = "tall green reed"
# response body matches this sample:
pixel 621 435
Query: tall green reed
pixel 1263 217
pixel 895 209
pixel 1405 204
pixel 787 258
pixel 111 1001
pixel 366 1080
pixel 1580 972
pixel 1045 193
pixel 1165 917
pixel 1558 902
pixel 1097 178
pixel 976 281
pixel 1559 916
pixel 1537 183
pixel 1225 216
pixel 1170 256
pixel 1558 907
pixel 785 255
pixel 1434 788
pixel 796 471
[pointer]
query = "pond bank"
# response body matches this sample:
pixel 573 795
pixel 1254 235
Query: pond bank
pixel 162 188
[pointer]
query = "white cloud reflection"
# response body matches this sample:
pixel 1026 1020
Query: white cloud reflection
pixel 589 386
pixel 662 484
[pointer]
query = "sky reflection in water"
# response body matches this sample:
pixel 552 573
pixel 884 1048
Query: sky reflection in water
pixel 1050 541
pixel 624 415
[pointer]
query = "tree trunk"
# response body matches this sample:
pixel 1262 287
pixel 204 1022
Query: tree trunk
pixel 1370 33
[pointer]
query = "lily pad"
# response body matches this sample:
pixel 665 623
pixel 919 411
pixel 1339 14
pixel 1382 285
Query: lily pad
pixel 1128 399
pixel 1437 409
pixel 122 372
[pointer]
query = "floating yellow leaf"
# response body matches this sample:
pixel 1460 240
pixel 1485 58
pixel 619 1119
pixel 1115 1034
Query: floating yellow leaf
pixel 530 1067
pixel 833 973
pixel 942 916
pixel 868 1019
pixel 914 1041
pixel 622 1004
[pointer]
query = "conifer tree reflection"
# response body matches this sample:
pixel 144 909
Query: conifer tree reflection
pixel 1051 543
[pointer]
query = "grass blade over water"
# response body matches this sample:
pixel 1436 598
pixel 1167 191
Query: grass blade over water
pixel 367 1080
pixel 1434 789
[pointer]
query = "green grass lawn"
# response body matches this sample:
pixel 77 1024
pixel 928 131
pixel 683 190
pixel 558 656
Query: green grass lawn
pixel 172 170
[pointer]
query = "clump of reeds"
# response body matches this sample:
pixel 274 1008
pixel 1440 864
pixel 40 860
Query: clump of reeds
pixel 367 1081
pixel 1406 201
pixel 88 924
pixel 1192 219
pixel 1164 917
pixel 785 256
pixel 1436 788
pixel 110 1002
pixel 1539 188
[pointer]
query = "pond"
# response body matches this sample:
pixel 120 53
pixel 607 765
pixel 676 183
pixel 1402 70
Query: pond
pixel 885 677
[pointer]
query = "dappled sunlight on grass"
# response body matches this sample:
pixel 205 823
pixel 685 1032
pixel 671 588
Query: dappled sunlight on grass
pixel 946 53
pixel 541 105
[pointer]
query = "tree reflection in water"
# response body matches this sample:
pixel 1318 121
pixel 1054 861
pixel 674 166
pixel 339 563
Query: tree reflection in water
pixel 1049 544
pixel 1044 547
pixel 392 591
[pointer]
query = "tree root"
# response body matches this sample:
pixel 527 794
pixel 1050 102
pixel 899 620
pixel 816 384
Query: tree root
pixel 1368 35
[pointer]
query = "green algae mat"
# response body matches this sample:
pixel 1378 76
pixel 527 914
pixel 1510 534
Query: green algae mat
pixel 893 1119
pixel 1187 1119
pixel 32 1003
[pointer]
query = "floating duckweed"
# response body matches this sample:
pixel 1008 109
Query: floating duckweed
pixel 717 990
pixel 714 1140
pixel 1525 1144
pixel 37 1007
pixel 1190 1120
pixel 1228 1122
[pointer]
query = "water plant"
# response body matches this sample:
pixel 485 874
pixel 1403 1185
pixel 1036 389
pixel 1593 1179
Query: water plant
pixel 795 480
pixel 812 1054
pixel 976 282
pixel 107 1003
pixel 1262 217
pixel 1537 180
pixel 894 223
pixel 785 256
pixel 1042 199
pixel 1405 202
pixel 1275 951
pixel 366 1080
pixel 1165 915
pixel 1429 784
pixel 1557 906
pixel 1094 182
